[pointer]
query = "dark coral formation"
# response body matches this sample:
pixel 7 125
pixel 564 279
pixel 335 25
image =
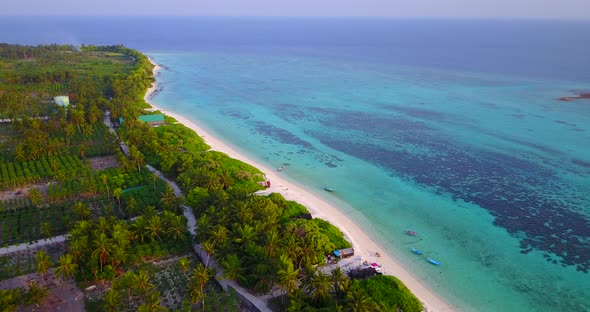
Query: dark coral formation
pixel 526 199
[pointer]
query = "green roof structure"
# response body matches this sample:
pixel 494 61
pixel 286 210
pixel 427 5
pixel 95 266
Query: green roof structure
pixel 62 100
pixel 151 118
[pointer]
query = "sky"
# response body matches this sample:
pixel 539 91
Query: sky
pixel 560 9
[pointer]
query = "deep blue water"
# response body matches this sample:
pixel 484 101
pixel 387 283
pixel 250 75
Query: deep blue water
pixel 450 127
pixel 537 48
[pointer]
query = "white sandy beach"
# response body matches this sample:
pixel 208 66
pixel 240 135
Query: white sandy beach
pixel 319 208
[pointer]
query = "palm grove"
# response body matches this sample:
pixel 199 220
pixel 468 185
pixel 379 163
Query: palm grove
pixel 119 219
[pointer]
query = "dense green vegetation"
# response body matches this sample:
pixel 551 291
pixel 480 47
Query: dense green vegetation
pixel 391 293
pixel 123 220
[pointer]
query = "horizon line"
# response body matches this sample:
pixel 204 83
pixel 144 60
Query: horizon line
pixel 540 18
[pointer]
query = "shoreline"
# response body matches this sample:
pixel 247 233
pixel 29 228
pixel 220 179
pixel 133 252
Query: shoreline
pixel 363 245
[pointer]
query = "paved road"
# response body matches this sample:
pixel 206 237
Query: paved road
pixel 188 212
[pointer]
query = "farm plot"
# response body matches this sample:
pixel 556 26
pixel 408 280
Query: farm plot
pixel 30 223
pixel 14 174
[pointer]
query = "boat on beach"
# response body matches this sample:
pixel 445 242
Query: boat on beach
pixel 329 189
pixel 416 251
pixel 411 233
pixel 432 261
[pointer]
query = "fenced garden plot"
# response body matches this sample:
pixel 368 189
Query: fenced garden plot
pixel 119 178
pixel 173 285
pixel 14 203
pixel 14 174
pixel 25 262
pixel 138 198
pixel 31 223
pixel 98 183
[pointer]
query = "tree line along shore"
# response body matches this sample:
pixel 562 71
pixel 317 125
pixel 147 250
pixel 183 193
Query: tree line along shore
pixel 128 248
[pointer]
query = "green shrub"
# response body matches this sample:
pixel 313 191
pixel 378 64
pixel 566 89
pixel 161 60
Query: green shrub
pixel 391 293
pixel 333 233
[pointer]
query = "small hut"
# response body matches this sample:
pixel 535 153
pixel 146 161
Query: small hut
pixel 152 120
pixel 344 253
pixel 62 100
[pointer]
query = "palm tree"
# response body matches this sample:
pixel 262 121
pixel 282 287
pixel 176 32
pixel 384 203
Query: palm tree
pixel 154 177
pixel 287 275
pixel 92 187
pixel 131 207
pixel 37 293
pixel 196 295
pixel 155 227
pixel 272 241
pixel 102 248
pixel 103 179
pixel 81 229
pixel 203 227
pixel 169 200
pixel 225 179
pixel 78 247
pixel 53 163
pixel 130 281
pixel 43 264
pixel 67 267
pixel 70 131
pixel 60 175
pixel 46 230
pixel 153 303
pixel 359 301
pixel 117 195
pixel 201 276
pixel 143 283
pixel 11 299
pixel 112 301
pixel 219 234
pixel 209 247
pixel 319 287
pixel 87 131
pixel 19 153
pixel 81 210
pixel 137 156
pixel 35 196
pixel 118 256
pixel 103 226
pixel 185 264
pixel 291 247
pixel 232 268
pixel 246 235
pixel 340 282
pixel 139 228
pixel 121 234
pixel 177 228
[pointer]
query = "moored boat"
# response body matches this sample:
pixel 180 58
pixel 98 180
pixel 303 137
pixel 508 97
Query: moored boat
pixel 281 168
pixel 329 189
pixel 412 233
pixel 432 261
pixel 416 251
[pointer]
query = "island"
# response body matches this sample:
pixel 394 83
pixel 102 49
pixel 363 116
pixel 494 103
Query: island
pixel 580 96
pixel 108 204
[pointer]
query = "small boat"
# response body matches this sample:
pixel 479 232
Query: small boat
pixel 432 261
pixel 416 251
pixel 329 189
pixel 281 168
pixel 412 233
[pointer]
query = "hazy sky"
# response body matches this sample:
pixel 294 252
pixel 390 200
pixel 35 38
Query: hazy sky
pixel 405 8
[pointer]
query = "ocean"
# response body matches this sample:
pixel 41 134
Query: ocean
pixel 450 128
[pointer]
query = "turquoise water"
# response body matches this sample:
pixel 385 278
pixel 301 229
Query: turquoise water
pixel 447 127
pixel 491 171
